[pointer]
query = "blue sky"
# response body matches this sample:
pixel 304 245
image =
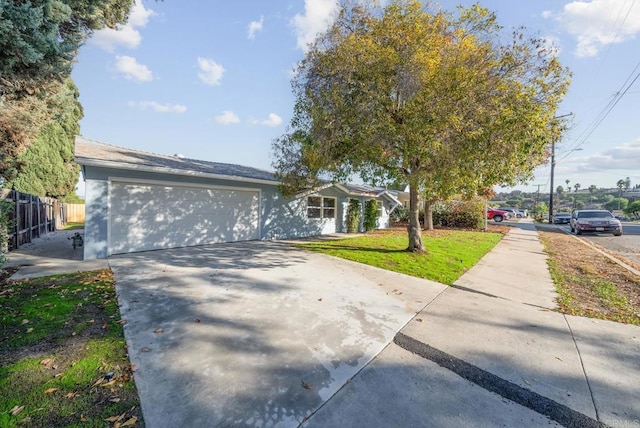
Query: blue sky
pixel 211 80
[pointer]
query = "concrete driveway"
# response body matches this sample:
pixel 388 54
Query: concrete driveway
pixel 254 333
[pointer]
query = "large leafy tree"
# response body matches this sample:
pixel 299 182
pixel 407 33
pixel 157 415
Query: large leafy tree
pixel 39 40
pixel 46 166
pixel 442 102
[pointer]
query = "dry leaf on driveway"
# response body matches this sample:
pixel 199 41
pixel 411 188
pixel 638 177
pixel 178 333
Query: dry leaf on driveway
pixel 159 330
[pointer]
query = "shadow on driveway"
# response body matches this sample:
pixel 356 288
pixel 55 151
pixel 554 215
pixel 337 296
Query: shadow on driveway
pixel 254 333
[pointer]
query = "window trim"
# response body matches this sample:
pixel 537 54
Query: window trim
pixel 322 207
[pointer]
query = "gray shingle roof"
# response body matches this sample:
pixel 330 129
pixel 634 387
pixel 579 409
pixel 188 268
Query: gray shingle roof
pixel 89 152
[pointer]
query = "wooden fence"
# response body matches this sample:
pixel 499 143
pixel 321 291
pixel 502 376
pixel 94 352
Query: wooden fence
pixel 72 213
pixel 32 217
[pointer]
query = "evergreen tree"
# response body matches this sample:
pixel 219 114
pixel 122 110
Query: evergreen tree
pixel 46 166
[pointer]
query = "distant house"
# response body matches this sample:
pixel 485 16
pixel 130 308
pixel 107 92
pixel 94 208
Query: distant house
pixel 139 201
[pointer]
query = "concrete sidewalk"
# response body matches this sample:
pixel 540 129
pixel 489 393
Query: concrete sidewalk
pixel 51 254
pixel 491 351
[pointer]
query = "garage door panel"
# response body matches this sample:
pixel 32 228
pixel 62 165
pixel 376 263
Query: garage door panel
pixel 146 217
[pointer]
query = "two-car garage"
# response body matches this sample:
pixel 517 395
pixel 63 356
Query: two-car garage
pixel 155 215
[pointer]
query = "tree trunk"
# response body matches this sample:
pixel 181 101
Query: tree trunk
pixel 415 238
pixel 428 215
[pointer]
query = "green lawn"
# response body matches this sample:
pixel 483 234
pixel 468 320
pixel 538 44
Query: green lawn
pixel 449 252
pixel 63 359
pixel 73 225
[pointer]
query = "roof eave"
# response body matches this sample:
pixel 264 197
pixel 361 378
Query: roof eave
pixel 174 171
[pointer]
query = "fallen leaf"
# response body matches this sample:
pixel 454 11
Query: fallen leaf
pixel 115 400
pixel 131 421
pixel 116 418
pixel 197 319
pixel 419 319
pixel 30 329
pixel 123 322
pixel 110 383
pixel 25 321
pixel 104 325
pixel 50 390
pixel 16 410
pixel 71 394
pixel 99 381
pixel 558 358
pixel 46 361
pixel 320 299
pixel 159 330
pixel 306 385
pixel 145 349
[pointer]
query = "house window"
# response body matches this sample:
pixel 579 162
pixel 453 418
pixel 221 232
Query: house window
pixel 321 207
pixel 379 213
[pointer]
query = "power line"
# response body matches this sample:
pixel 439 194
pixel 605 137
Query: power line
pixel 602 115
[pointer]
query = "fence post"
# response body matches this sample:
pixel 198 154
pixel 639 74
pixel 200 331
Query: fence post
pixel 16 194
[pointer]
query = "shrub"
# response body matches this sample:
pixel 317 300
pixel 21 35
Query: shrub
pixel 353 216
pixel 400 215
pixel 370 214
pixel 6 223
pixel 459 214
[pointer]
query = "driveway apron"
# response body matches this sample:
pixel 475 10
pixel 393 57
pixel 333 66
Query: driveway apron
pixel 254 333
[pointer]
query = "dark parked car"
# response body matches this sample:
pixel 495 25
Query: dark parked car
pixel 562 218
pixel 595 221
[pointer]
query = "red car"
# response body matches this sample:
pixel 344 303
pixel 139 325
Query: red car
pixel 497 215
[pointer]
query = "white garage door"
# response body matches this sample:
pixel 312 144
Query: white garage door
pixel 150 217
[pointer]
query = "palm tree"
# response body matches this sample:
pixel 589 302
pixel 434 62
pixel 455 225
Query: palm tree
pixel 621 184
pixel 568 187
pixel 592 190
pixel 576 186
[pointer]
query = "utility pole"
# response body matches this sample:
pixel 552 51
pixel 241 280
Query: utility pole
pixel 553 165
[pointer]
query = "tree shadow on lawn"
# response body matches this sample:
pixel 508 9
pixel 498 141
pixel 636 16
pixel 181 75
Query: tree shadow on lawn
pixel 329 247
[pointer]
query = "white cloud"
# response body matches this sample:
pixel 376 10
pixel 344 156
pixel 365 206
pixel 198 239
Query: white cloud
pixel 273 120
pixel 318 16
pixel 131 70
pixel 227 118
pixel 210 72
pixel 551 45
pixel 158 107
pixel 124 35
pixel 254 27
pixel 622 157
pixel 598 23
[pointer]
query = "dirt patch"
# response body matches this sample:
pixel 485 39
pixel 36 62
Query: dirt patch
pixel 588 283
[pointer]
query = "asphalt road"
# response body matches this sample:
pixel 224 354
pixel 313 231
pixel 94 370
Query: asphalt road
pixel 627 245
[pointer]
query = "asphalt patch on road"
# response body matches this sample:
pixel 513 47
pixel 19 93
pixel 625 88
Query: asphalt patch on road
pixel 525 397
